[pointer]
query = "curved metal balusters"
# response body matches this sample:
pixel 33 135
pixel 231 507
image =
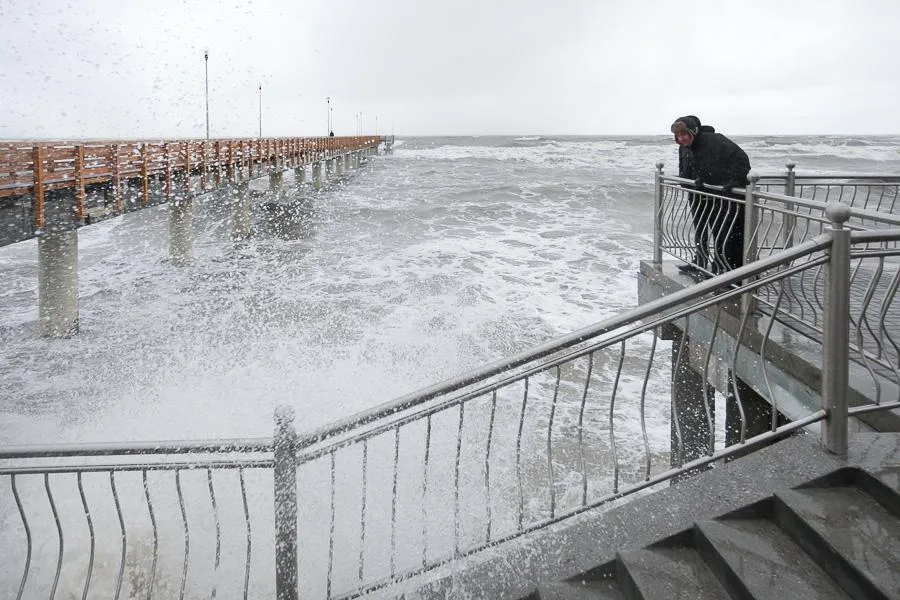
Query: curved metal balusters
pixel 643 407
pixel 249 532
pixel 612 428
pixel 676 411
pixel 582 464
pixel 212 497
pixel 90 524
pixel 886 304
pixel 187 536
pixel 735 389
pixel 773 399
pixel 864 320
pixel 456 524
pixel 707 405
pixel 15 492
pixel 424 492
pixel 331 528
pixel 549 444
pixel 152 577
pixel 362 510
pixel 59 533
pixel 519 456
pixel 394 499
pixel 124 536
pixel 487 466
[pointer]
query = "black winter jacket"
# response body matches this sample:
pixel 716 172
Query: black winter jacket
pixel 685 157
pixel 718 161
pixel 712 158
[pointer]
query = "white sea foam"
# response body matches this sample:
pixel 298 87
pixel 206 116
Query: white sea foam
pixel 430 262
pixel 438 258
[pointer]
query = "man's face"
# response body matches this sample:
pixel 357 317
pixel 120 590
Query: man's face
pixel 684 138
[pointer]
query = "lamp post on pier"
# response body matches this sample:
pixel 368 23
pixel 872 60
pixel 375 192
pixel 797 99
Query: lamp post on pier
pixel 260 110
pixel 327 115
pixel 206 65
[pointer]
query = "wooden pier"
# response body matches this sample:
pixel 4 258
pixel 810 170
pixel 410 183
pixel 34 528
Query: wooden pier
pixel 31 169
pixel 50 189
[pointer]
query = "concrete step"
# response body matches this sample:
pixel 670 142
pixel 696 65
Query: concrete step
pixel 835 534
pixel 668 573
pixel 852 536
pixel 756 559
pixel 580 590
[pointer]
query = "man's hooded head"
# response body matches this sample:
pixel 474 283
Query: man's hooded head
pixel 686 128
pixel 689 124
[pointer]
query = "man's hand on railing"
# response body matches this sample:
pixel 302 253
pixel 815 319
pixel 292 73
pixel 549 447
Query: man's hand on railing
pixel 698 183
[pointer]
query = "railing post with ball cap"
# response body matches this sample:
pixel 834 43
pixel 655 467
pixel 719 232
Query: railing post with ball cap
pixel 836 332
pixel 657 214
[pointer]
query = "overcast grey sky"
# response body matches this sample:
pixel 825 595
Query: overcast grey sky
pixel 135 68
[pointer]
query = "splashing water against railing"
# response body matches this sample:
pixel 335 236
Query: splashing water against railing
pixel 470 463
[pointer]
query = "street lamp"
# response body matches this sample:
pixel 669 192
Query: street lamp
pixel 260 110
pixel 206 64
pixel 327 114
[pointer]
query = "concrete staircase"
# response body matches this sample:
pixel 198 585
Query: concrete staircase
pixel 837 536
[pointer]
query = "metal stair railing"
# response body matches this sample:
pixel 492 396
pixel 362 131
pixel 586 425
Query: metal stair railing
pixel 414 484
pixel 531 440
pixel 391 492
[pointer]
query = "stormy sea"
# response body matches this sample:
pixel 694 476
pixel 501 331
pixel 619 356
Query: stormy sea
pixel 429 261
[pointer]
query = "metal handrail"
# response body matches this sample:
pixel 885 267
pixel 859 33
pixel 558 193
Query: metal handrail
pixel 796 201
pixel 466 446
pixel 131 448
pixel 627 317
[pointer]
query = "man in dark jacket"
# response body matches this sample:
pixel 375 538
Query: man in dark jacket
pixel 701 215
pixel 707 157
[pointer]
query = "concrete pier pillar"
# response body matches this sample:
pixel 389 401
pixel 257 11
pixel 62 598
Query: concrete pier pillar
pixel 300 175
pixel 241 219
pixel 276 183
pixel 339 165
pixel 317 175
pixel 757 413
pixel 348 161
pixel 276 180
pixel 58 267
pixel 181 234
pixel 58 283
pixel 688 409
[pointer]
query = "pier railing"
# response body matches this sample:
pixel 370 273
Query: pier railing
pixel 35 169
pixel 780 210
pixel 772 222
pixel 438 475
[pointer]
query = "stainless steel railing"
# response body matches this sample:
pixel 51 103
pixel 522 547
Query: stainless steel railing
pixel 780 211
pixel 482 459
pixel 772 222
pixel 173 520
pixel 528 441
